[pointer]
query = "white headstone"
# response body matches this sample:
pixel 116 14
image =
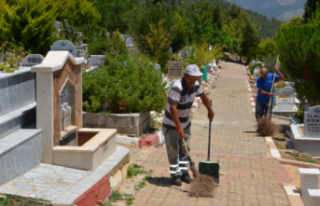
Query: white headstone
pixel 2 55
pixel 312 122
pixel 32 59
pixel 157 67
pixel 287 91
pixel 175 69
pixel 288 85
pixel 57 25
pixel 256 72
pixel 96 60
pixel 129 42
pixel 64 45
pixel 284 104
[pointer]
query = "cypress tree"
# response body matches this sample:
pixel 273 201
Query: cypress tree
pixel 309 7
pixel 250 41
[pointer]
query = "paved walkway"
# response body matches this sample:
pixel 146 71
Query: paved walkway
pixel 248 176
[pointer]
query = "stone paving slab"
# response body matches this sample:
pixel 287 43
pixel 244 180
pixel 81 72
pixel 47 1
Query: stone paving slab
pixel 61 185
pixel 248 176
pixel 45 182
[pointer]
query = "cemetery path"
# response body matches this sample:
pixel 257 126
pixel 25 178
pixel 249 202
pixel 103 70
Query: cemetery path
pixel 248 175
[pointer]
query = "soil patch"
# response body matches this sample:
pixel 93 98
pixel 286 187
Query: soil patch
pixel 294 175
pixel 287 153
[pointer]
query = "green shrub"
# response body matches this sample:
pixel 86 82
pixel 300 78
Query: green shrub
pixel 300 55
pixel 114 46
pixel 126 86
pixel 30 23
pixel 12 56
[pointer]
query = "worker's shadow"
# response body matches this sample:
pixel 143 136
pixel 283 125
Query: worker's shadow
pixel 160 181
pixel 164 182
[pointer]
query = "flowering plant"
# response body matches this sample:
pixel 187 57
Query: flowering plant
pixel 299 115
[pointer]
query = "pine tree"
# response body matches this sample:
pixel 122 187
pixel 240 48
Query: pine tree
pixel 114 14
pixel 217 16
pixel 30 23
pixel 309 7
pixel 250 42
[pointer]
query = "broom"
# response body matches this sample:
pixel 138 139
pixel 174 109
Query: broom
pixel 265 126
pixel 202 185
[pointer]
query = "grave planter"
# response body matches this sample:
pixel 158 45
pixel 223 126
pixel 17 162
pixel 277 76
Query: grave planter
pixel 130 123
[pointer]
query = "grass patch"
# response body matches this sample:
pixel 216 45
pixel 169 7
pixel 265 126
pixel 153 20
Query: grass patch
pixel 116 196
pixel 278 145
pixel 18 201
pixel 142 183
pixel 134 169
pixel 307 160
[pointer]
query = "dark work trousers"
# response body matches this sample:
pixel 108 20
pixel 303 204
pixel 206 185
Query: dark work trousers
pixel 262 109
pixel 176 152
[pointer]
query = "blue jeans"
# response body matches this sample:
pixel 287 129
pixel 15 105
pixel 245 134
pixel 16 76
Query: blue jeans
pixel 262 109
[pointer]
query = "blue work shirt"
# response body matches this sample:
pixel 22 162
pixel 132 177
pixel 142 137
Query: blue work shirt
pixel 266 86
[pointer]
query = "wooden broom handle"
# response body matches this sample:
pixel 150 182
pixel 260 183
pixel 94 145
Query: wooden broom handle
pixel 274 76
pixel 185 146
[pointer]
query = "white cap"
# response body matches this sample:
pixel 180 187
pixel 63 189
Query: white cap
pixel 193 70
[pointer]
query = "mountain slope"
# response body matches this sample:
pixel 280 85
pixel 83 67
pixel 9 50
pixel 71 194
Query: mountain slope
pixel 281 9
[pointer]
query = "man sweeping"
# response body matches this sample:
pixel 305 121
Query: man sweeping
pixel 264 85
pixel 176 121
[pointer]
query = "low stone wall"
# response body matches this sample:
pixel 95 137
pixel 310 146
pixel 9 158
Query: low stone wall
pixel 16 90
pixel 131 124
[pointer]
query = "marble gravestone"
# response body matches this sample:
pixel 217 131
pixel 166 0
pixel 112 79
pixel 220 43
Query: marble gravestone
pixel 157 67
pixel 64 45
pixel 130 42
pixel 175 69
pixel 312 122
pixel 32 59
pixel 256 72
pixel 284 104
pixel 96 60
pixel 287 91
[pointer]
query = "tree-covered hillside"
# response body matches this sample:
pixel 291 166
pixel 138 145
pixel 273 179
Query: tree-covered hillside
pixel 268 27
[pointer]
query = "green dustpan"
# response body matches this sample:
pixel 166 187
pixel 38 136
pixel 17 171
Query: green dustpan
pixel 208 167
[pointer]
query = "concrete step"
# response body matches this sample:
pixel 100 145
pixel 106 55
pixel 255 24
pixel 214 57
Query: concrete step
pixel 17 119
pixel 19 152
pixel 63 186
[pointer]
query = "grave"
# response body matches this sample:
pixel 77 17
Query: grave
pixel 96 60
pixel 59 115
pixel 285 101
pixel 64 45
pixel 212 66
pixel 284 104
pixel 175 69
pixel 58 162
pixel 20 142
pixel 306 137
pixel 256 72
pixel 57 25
pixel 130 42
pixel 31 60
